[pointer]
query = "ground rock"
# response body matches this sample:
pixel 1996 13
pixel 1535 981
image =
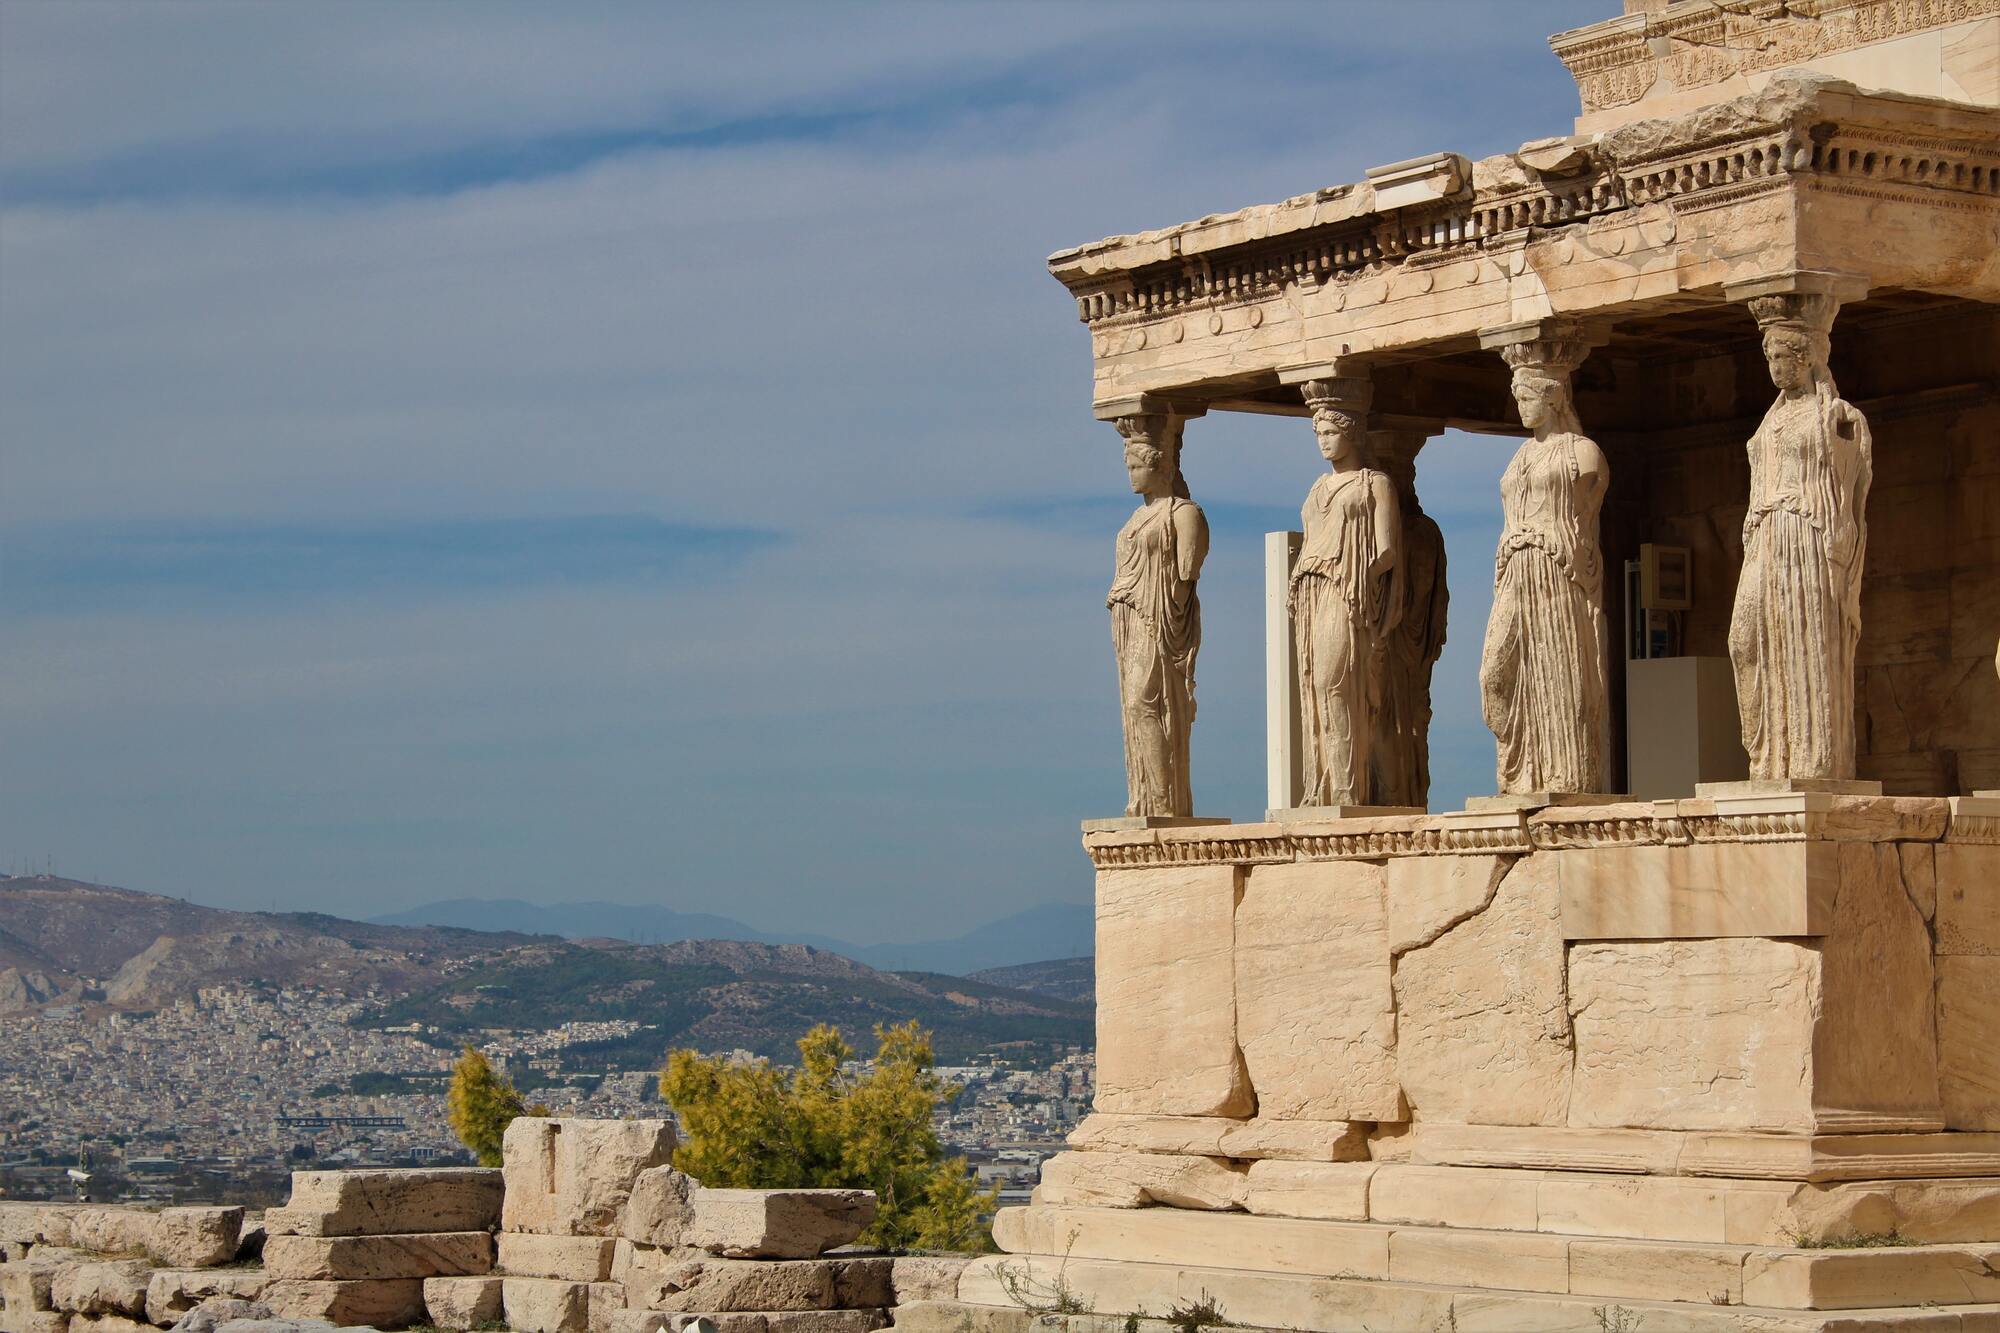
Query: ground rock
pixel 218 1310
pixel 1134 1180
pixel 196 1237
pixel 545 1305
pixel 114 1287
pixel 382 1303
pixel 389 1202
pixel 271 1325
pixel 661 1203
pixel 26 1287
pixel 715 1285
pixel 112 1230
pixel 35 1223
pixel 458 1304
pixel 572 1177
pixel 107 1323
pixel 327 1258
pixel 924 1278
pixel 171 1293
pixel 569 1258
pixel 777 1224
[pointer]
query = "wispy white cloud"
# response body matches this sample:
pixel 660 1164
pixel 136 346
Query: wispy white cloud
pixel 362 271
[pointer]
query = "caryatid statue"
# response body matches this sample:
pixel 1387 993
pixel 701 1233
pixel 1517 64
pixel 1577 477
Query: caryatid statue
pixel 1797 618
pixel 1346 597
pixel 1543 676
pixel 1402 759
pixel 1156 617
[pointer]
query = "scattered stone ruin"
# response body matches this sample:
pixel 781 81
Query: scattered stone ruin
pixel 586 1228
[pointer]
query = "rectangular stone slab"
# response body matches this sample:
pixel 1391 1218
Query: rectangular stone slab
pixel 1166 1007
pixel 391 1303
pixel 329 1258
pixel 1697 891
pixel 388 1202
pixel 1315 1016
pixel 570 1258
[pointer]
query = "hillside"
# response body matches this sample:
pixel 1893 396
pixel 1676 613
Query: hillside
pixel 1072 979
pixel 144 950
pixel 720 995
pixel 63 940
pixel 1026 936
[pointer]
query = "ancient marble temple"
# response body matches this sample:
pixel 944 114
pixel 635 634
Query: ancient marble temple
pixel 1693 1022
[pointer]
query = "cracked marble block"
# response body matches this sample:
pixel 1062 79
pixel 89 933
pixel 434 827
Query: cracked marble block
pixel 1828 1033
pixel 1166 1011
pixel 1483 1021
pixel 1315 1015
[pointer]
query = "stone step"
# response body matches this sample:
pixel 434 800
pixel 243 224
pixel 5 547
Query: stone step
pixel 1002 1294
pixel 1520 1261
pixel 1647 1207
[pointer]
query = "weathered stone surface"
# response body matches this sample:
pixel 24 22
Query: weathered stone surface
pixel 1874 1045
pixel 1860 1279
pixel 388 1202
pixel 570 1258
pixel 107 1323
pixel 545 1305
pixel 1315 1016
pixel 112 1230
pixel 1448 1257
pixel 1296 1140
pixel 1968 1008
pixel 659 1207
pixel 777 1224
pixel 459 1304
pixel 36 1223
pixel 216 1311
pixel 1134 1180
pixel 1694 1034
pixel 114 1287
pixel 865 1282
pixel 1701 1274
pixel 571 1177
pixel 1698 890
pixel 1337 1190
pixel 171 1293
pixel 1968 898
pixel 922 1278
pixel 265 1323
pixel 1428 895
pixel 1926 1211
pixel 1166 1008
pixel 1483 1023
pixel 26 1286
pixel 33 1321
pixel 716 1285
pixel 385 1303
pixel 641 1321
pixel 324 1258
pixel 196 1237
pixel 1201 1135
pixel 1454 1197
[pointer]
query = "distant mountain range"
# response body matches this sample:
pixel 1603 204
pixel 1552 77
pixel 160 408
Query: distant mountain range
pixel 65 941
pixel 1072 979
pixel 1050 930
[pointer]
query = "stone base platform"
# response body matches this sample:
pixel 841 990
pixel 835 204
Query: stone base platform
pixel 1322 1275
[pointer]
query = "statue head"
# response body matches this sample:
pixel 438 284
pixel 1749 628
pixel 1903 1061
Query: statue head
pixel 1796 328
pixel 1339 416
pixel 1796 355
pixel 1152 453
pixel 1541 385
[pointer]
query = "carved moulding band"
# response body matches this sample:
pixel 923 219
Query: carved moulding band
pixel 1640 824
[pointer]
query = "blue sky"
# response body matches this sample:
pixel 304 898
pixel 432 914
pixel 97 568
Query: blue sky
pixel 637 452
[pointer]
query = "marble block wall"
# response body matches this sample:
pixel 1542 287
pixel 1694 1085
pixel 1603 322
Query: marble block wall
pixel 1805 965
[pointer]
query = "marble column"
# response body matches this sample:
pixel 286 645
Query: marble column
pixel 1797 619
pixel 1544 672
pixel 1155 611
pixel 1402 751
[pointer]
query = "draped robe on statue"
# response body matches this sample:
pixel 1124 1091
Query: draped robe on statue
pixel 1543 675
pixel 1155 632
pixel 1797 619
pixel 1337 613
pixel 1402 726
